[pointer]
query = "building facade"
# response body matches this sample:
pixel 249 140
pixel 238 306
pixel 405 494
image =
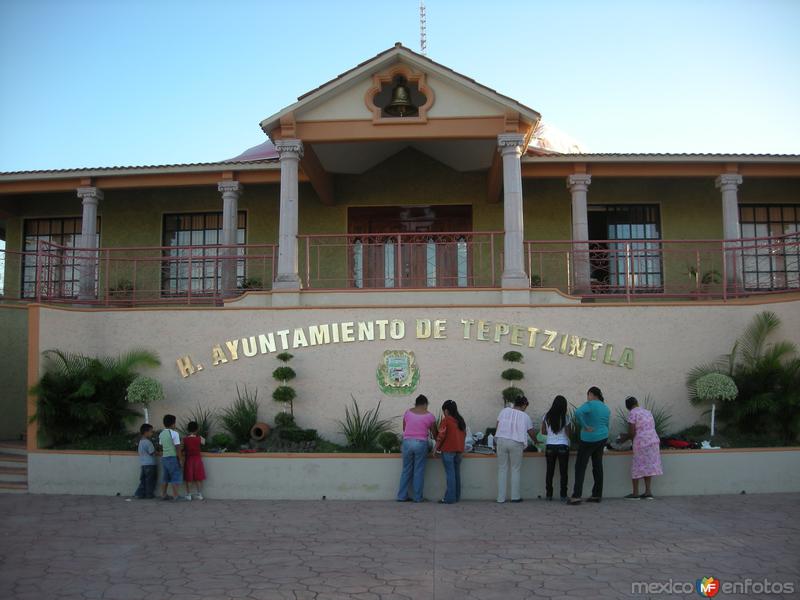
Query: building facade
pixel 401 192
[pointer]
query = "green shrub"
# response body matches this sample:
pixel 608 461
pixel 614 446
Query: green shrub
pixel 512 393
pixel 80 396
pixel 145 390
pixel 512 375
pixel 513 356
pixel 284 374
pixel 361 429
pixel 284 393
pixel 204 417
pixel 389 441
pixel 239 418
pixel 285 420
pixel 299 435
pixel 222 440
pixel 715 387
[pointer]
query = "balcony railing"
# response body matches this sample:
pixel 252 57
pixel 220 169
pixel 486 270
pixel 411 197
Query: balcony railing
pixel 599 269
pixel 464 259
pixel 666 268
pixel 137 276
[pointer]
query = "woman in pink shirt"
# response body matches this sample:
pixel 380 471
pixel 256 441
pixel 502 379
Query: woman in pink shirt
pixel 417 423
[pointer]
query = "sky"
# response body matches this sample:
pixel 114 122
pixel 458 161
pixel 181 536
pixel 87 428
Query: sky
pixel 89 83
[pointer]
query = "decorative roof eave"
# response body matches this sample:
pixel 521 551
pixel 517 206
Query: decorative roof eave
pixel 386 57
pixel 661 158
pixel 93 172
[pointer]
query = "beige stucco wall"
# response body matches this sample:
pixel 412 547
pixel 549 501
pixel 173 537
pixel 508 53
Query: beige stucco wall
pixel 667 342
pixel 376 478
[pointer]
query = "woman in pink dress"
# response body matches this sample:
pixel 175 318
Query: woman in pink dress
pixel 646 462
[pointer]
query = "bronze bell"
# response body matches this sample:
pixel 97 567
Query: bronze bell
pixel 401 105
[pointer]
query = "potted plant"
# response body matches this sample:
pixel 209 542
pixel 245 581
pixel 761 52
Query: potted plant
pixel 511 375
pixel 145 390
pixel 284 393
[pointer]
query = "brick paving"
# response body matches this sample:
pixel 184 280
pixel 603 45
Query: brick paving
pixel 83 547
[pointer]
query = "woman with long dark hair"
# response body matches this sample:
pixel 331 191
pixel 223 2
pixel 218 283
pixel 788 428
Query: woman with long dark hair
pixel 592 417
pixel 556 427
pixel 450 442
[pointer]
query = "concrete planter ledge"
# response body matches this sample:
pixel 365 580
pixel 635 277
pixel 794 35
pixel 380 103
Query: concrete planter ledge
pixel 375 476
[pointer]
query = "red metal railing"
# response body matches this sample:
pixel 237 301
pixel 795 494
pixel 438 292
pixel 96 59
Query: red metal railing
pixel 666 268
pixel 141 276
pixel 613 269
pixel 463 259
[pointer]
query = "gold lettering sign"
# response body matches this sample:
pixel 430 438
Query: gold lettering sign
pixel 560 343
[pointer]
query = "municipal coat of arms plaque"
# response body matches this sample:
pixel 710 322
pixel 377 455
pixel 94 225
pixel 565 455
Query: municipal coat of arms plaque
pixel 398 373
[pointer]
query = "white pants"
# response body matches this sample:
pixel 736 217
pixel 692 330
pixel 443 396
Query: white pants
pixel 508 451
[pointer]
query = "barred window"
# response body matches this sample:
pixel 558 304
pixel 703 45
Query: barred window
pixel 770 264
pixel 191 241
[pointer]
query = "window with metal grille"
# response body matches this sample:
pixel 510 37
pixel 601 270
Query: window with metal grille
pixel 191 241
pixel 62 263
pixel 771 246
pixel 622 256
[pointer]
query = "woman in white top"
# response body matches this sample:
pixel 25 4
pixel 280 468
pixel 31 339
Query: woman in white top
pixel 556 426
pixel 513 428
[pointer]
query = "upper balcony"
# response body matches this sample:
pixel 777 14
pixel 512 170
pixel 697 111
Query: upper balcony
pixel 629 270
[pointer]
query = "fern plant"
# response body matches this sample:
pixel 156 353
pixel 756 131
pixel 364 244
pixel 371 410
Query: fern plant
pixel 204 417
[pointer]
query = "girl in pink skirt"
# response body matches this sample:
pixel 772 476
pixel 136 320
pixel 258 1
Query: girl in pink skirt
pixel 646 448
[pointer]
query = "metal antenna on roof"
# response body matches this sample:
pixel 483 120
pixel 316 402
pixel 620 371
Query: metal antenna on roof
pixel 423 38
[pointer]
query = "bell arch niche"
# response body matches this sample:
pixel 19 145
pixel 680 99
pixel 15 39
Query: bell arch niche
pixel 399 95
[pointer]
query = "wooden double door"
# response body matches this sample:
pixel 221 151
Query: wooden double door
pixel 410 246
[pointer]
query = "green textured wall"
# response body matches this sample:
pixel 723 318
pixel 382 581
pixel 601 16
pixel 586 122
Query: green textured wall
pixel 13 371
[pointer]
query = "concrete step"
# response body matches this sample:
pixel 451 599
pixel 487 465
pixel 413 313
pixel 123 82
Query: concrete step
pixel 18 448
pixel 14 474
pixel 7 487
pixel 13 460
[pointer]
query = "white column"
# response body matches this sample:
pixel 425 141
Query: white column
pixel 290 152
pixel 729 184
pixel 510 146
pixel 578 186
pixel 230 220
pixel 87 261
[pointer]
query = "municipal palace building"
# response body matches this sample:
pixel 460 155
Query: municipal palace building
pixel 400 229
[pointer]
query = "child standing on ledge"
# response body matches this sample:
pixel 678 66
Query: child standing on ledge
pixel 170 442
pixel 193 471
pixel 147 462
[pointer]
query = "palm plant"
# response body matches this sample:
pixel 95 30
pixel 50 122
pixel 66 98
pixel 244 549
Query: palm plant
pixel 81 396
pixel 661 416
pixel 238 418
pixel 767 376
pixel 362 429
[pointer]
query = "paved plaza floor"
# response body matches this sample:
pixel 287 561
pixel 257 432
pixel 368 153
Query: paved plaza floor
pixel 84 547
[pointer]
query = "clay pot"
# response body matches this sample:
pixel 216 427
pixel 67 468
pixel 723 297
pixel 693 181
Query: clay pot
pixel 259 432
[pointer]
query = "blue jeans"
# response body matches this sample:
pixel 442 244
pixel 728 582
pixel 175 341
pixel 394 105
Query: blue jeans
pixel 415 453
pixel 147 482
pixel 452 472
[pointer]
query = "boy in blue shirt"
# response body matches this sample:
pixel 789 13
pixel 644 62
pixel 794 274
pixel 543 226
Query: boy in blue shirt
pixel 147 463
pixel 592 418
